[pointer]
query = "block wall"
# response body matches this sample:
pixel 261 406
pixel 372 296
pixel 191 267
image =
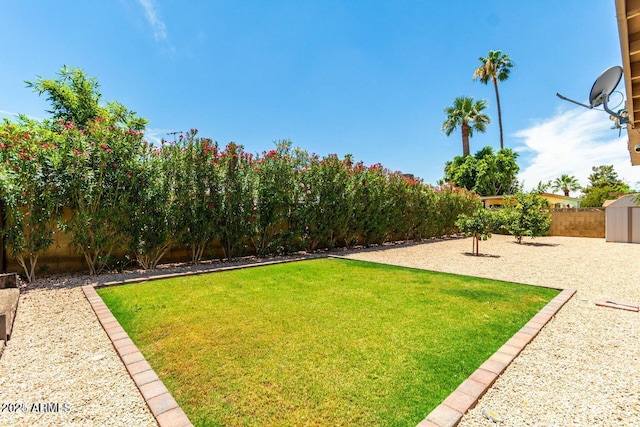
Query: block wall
pixel 578 223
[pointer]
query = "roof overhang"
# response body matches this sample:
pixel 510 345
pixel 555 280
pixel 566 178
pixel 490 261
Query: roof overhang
pixel 628 14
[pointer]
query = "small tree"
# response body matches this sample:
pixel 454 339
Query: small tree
pixel 477 225
pixel 525 214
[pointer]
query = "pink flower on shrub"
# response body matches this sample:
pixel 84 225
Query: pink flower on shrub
pixel 308 191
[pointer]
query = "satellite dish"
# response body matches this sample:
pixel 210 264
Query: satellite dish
pixel 602 88
pixel 605 84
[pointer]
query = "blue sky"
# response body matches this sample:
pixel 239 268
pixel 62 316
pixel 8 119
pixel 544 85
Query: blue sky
pixel 370 78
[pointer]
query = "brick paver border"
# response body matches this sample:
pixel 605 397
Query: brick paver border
pixel 448 414
pixel 163 406
pixel 466 396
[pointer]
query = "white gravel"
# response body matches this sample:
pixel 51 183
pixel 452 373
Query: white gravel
pixel 583 369
pixel 51 359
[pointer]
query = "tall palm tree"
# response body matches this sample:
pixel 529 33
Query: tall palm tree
pixel 468 115
pixel 495 67
pixel 565 183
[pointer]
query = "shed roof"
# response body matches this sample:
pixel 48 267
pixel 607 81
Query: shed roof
pixel 623 202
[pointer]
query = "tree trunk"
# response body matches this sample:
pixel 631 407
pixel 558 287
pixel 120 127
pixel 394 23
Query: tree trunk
pixel 495 85
pixel 465 139
pixel 566 192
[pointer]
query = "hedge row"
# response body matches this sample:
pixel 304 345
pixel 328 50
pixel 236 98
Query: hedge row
pixel 127 194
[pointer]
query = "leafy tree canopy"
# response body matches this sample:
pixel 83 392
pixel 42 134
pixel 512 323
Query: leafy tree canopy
pixel 486 173
pixel 603 184
pixel 603 176
pixel 542 187
pixel 75 97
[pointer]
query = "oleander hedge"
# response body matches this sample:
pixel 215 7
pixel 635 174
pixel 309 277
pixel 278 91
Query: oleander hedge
pixel 129 195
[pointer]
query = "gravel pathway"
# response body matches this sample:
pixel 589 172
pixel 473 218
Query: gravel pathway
pixel 583 369
pixel 60 368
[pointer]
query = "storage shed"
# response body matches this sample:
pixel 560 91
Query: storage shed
pixel 623 220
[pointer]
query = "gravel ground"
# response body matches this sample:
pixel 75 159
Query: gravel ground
pixel 60 368
pixel 583 369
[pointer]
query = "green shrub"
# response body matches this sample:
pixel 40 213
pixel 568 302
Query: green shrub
pixel 526 214
pixel 128 195
pixel 196 166
pixel 237 202
pixel 97 166
pixel 30 194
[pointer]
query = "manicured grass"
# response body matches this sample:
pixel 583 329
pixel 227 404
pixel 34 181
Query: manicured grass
pixel 324 342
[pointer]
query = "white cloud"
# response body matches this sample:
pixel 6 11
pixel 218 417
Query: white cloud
pixel 8 113
pixel 13 116
pixel 571 143
pixel 153 18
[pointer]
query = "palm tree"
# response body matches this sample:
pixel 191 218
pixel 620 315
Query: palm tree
pixel 468 115
pixel 565 183
pixel 495 67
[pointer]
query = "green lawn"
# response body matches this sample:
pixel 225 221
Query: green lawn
pixel 325 342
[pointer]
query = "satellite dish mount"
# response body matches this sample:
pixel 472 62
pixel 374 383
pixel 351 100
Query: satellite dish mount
pixel 601 90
